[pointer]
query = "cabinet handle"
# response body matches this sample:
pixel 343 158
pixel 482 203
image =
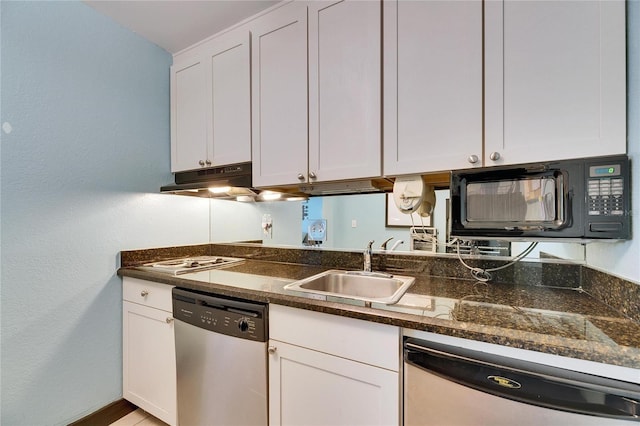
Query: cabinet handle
pixel 495 156
pixel 272 350
pixel 208 162
pixel 473 159
pixel 312 175
pixel 169 320
pixel 144 293
pixel 201 162
pixel 300 176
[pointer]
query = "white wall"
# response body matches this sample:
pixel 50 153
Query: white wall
pixel 88 103
pixel 623 259
pixel 233 221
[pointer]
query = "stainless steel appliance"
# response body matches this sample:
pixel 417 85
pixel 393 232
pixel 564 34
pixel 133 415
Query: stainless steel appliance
pixel 187 265
pixel 448 385
pixel 579 199
pixel 233 180
pixel 221 356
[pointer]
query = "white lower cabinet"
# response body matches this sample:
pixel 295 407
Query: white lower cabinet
pixel 149 361
pixel 330 370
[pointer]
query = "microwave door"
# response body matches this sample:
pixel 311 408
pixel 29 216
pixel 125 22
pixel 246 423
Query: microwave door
pixel 535 202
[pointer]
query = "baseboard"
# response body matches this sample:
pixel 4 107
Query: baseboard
pixel 107 414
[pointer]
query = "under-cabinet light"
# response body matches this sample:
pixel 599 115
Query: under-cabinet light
pixel 270 195
pixel 219 189
pixel 245 198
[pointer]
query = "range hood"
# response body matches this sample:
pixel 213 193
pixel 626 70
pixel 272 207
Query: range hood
pixel 234 182
pixel 226 182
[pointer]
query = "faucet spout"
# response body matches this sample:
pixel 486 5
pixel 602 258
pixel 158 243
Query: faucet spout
pixel 383 246
pixel 367 257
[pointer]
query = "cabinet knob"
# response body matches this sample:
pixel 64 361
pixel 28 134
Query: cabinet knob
pixel 169 320
pixel 201 162
pixel 473 159
pixel 495 156
pixel 208 162
pixel 300 176
pixel 272 350
pixel 144 293
pixel 312 175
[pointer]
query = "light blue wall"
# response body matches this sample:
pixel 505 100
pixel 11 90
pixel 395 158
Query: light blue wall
pixel 623 258
pixel 368 211
pixel 234 221
pixel 88 102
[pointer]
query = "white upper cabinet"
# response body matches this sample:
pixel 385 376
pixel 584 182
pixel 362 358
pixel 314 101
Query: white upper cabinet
pixel 344 89
pixel 279 90
pixel 188 117
pixel 230 87
pixel 432 85
pixel 210 102
pixel 554 80
pixel 467 83
pixel 317 97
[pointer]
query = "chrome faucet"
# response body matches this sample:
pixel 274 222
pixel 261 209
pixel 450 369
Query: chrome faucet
pixel 367 257
pixel 383 246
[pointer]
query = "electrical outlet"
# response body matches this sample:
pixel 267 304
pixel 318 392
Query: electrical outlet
pixel 354 223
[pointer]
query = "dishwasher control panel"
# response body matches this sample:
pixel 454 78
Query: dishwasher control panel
pixel 232 317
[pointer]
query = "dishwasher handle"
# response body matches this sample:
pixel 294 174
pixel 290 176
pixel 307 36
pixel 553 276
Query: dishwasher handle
pixel 527 382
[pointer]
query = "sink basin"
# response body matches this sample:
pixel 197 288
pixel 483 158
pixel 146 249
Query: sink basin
pixel 367 286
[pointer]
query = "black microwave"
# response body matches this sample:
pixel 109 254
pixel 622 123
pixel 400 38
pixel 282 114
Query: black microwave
pixel 582 199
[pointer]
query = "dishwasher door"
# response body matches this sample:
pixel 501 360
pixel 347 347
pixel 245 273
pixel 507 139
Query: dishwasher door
pixel 221 360
pixel 445 385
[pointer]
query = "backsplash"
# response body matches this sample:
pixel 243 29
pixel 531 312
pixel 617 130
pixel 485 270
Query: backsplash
pixel 616 292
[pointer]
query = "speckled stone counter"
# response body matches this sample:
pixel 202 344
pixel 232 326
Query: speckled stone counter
pixel 542 307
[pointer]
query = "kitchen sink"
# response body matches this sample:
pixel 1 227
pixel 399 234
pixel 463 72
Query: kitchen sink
pixel 360 285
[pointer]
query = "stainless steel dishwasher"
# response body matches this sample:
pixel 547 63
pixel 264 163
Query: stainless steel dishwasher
pixel 447 385
pixel 221 356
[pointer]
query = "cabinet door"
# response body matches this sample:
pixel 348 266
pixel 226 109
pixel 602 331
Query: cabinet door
pixel 313 388
pixel 279 96
pixel 433 85
pixel 230 108
pixel 149 361
pixel 555 79
pixel 344 89
pixel 188 115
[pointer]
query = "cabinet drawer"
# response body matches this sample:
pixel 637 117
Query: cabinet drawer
pixel 147 293
pixel 358 340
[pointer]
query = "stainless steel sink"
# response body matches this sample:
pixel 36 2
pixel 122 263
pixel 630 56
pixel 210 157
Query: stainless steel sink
pixel 367 286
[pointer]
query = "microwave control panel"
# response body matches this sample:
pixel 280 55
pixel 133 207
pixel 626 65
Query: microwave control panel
pixel 608 197
pixel 605 190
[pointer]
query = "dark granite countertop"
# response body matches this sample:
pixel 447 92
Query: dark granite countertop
pixel 559 320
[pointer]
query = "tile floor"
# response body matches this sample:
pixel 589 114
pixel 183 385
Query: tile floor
pixel 139 418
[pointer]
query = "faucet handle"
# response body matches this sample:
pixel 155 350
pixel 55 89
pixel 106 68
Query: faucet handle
pixel 370 244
